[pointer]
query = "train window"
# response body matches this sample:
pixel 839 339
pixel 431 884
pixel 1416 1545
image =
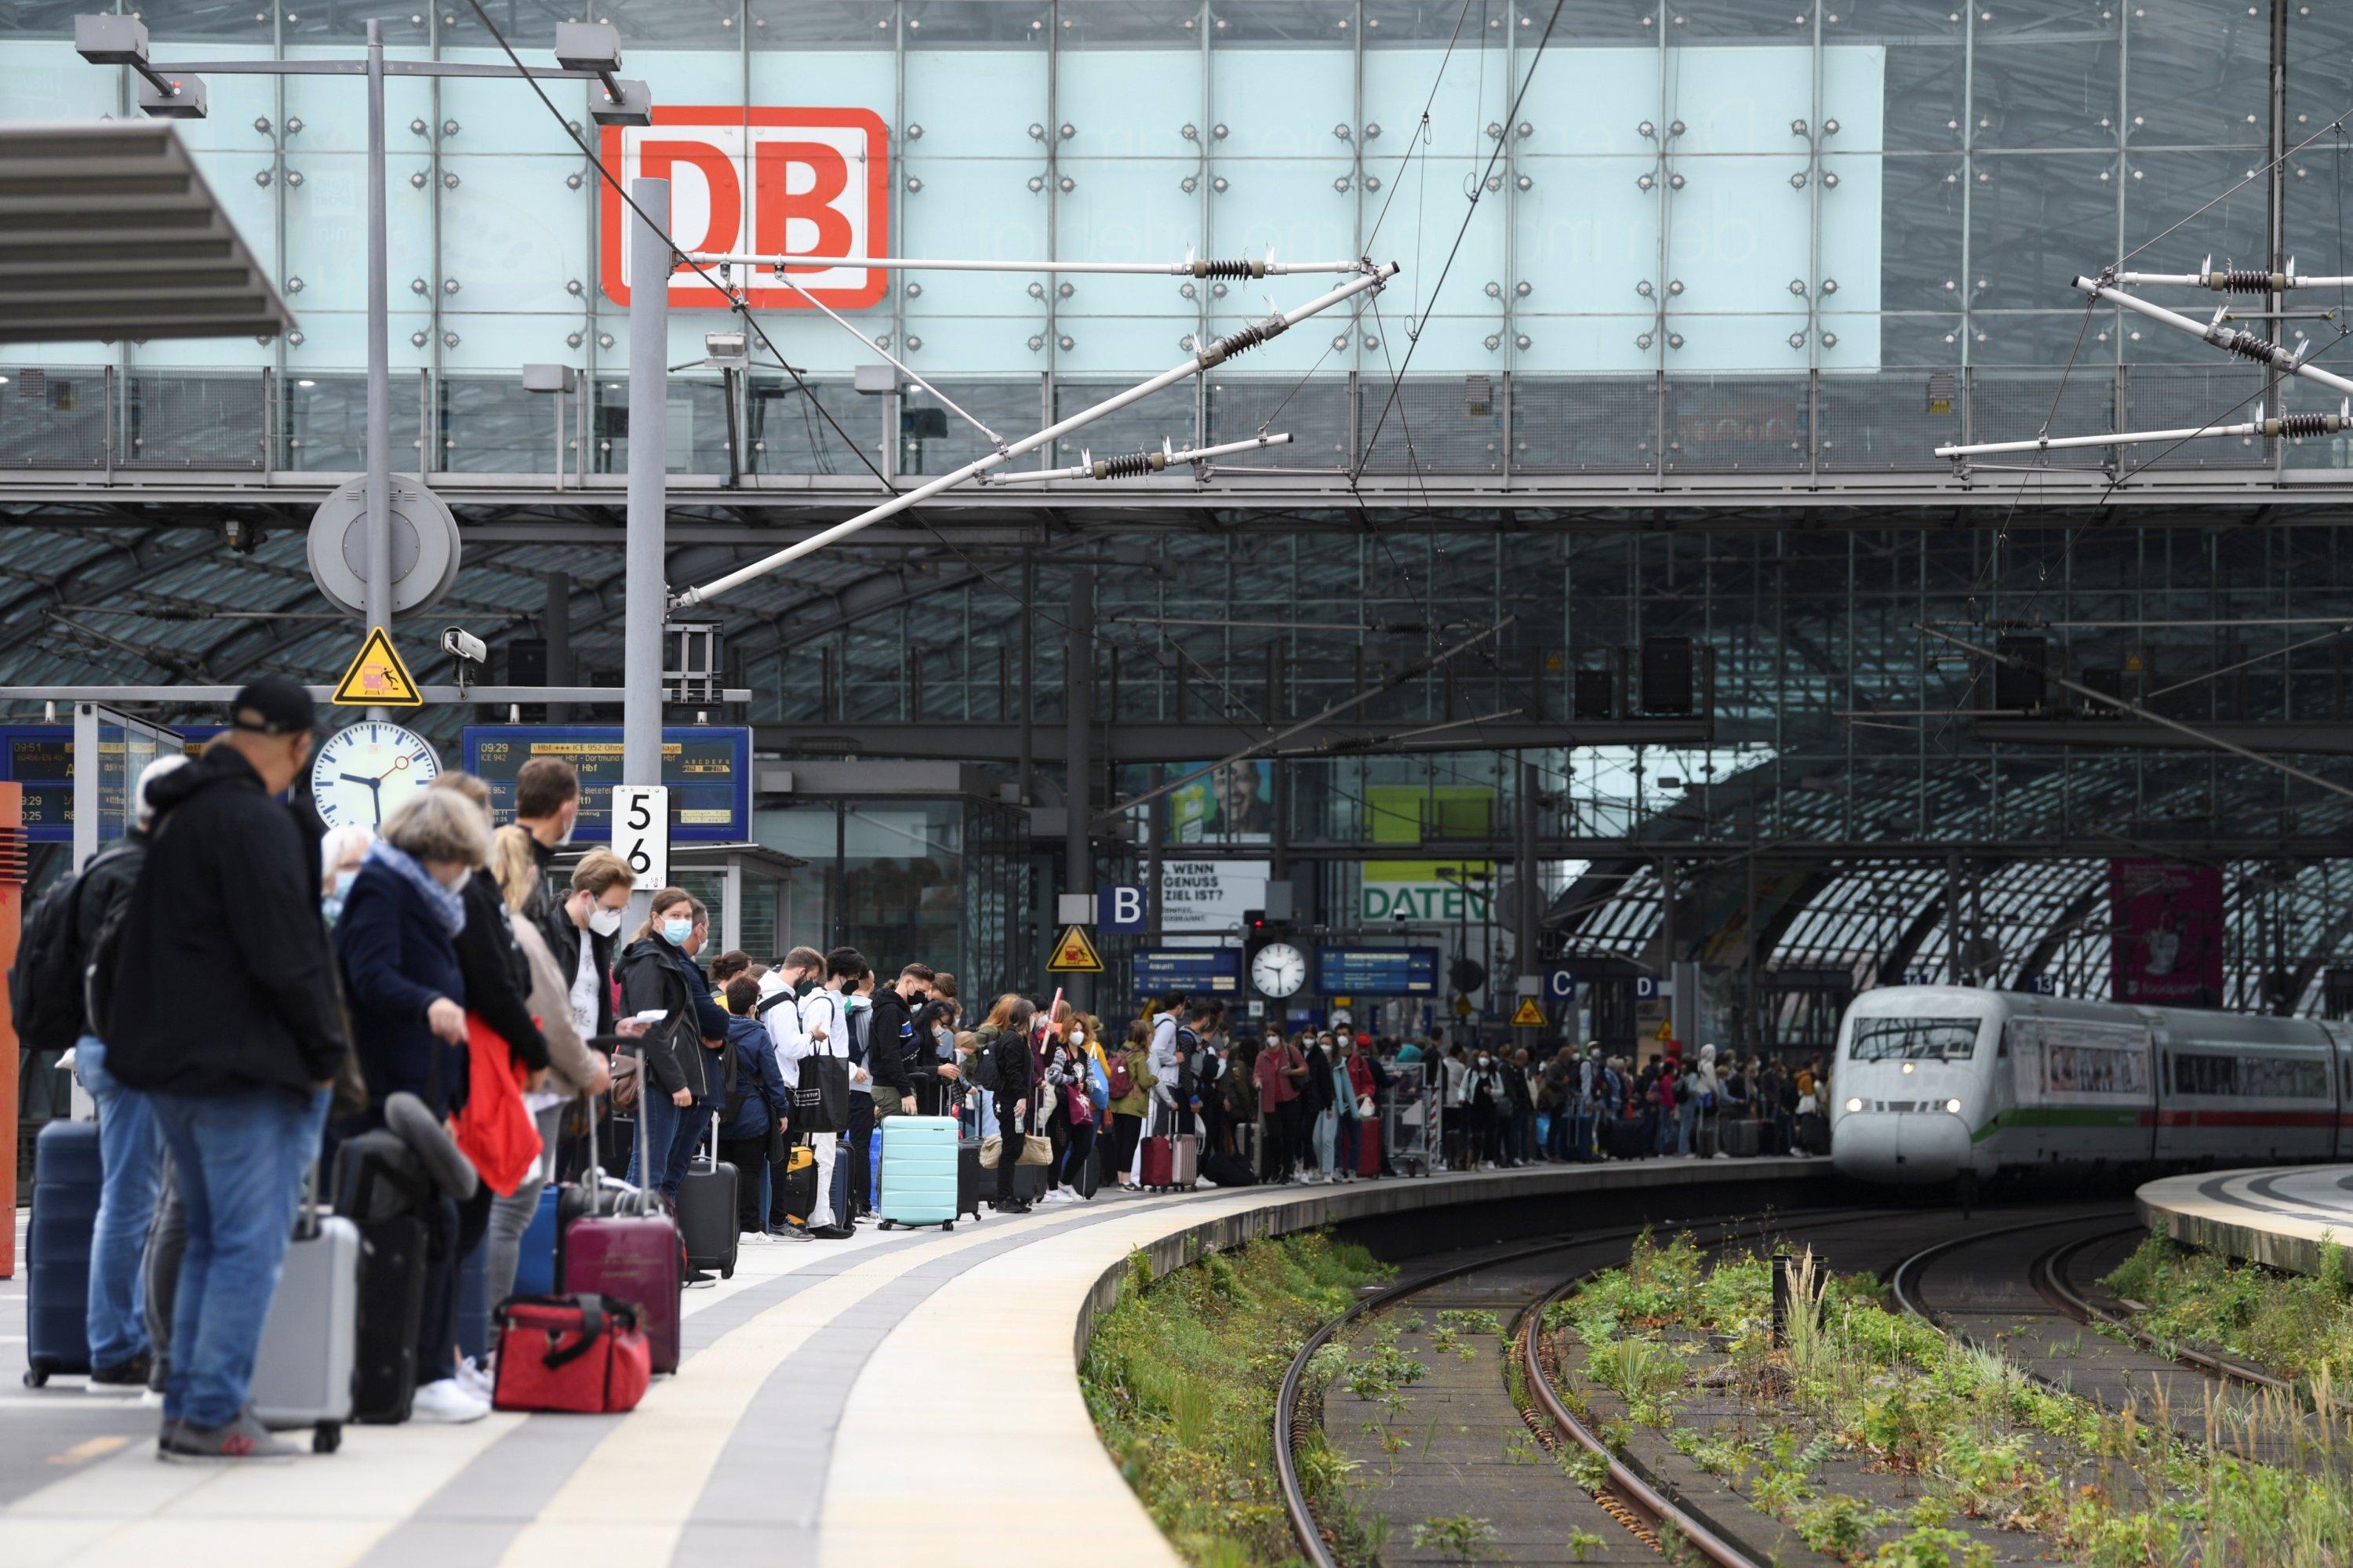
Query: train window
pixel 1913 1039
pixel 2265 1078
pixel 2097 1069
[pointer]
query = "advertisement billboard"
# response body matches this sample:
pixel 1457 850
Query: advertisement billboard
pixel 2167 944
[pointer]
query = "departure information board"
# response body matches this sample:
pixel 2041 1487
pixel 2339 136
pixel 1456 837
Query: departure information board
pixel 1376 972
pixel 1196 971
pixel 708 769
pixel 40 758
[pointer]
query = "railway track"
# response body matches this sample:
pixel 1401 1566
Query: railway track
pixel 1634 1507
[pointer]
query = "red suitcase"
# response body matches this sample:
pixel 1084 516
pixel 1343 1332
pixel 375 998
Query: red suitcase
pixel 634 1257
pixel 1369 1147
pixel 1156 1162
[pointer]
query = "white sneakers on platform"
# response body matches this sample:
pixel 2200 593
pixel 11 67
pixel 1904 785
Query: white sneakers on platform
pixel 448 1399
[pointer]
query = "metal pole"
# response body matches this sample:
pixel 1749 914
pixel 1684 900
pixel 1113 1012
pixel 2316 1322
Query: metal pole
pixel 1525 938
pixel 1078 692
pixel 556 625
pixel 377 597
pixel 642 609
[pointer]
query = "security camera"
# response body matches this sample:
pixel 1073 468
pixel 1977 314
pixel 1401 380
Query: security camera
pixel 464 646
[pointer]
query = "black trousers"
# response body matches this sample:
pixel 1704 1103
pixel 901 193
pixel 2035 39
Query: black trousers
pixel 1288 1126
pixel 1008 1127
pixel 861 1134
pixel 750 1158
pixel 1124 1131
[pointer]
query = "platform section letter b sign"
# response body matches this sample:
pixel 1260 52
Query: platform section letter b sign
pixel 1120 908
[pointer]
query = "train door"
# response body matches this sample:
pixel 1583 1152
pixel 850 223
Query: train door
pixel 2340 1039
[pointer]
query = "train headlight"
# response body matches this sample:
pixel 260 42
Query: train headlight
pixel 1853 1106
pixel 1909 1068
pixel 1954 1107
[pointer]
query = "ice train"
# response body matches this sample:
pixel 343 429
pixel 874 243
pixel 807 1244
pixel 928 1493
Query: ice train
pixel 1945 1083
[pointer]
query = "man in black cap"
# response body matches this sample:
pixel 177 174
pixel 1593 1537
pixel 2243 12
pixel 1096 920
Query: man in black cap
pixel 220 1005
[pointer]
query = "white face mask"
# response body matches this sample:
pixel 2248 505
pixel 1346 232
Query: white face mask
pixel 604 921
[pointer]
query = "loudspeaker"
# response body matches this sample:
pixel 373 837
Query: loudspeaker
pixel 1597 695
pixel 2017 688
pixel 1666 675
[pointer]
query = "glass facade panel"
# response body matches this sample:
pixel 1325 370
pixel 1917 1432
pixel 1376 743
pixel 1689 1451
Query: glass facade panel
pixel 1713 191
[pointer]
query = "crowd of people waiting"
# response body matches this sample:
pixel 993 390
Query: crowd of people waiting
pixel 261 989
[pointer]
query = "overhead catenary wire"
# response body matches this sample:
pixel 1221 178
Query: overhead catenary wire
pixel 1134 465
pixel 1203 360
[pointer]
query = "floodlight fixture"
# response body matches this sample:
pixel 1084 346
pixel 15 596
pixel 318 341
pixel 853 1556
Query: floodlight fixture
pixel 123 41
pixel 588 45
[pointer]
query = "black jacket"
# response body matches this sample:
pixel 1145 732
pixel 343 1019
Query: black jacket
pixel 890 1041
pixel 1013 1069
pixel 498 977
pixel 655 974
pixel 564 939
pixel 106 882
pixel 225 983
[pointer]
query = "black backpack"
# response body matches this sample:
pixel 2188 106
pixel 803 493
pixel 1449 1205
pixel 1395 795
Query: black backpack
pixel 45 988
pixel 1189 1045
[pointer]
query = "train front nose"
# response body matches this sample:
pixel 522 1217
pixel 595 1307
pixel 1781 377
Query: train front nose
pixel 1903 1147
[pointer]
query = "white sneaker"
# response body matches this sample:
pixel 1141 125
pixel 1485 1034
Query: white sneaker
pixel 474 1377
pixel 447 1399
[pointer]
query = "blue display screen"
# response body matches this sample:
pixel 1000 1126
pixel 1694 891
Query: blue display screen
pixel 1376 972
pixel 708 770
pixel 1193 970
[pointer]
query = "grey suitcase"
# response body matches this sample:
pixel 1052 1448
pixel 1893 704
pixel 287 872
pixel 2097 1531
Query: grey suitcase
pixel 310 1341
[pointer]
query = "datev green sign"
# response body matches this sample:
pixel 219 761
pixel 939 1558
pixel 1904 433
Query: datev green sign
pixel 1412 890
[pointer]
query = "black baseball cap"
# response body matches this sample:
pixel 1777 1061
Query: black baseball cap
pixel 273 705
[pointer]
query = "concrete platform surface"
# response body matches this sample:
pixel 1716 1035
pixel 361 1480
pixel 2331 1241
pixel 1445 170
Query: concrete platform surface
pixel 2282 1215
pixel 895 1399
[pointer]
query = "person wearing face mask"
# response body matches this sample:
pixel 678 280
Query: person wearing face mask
pixel 339 854
pixel 398 941
pixel 229 1026
pixel 546 804
pixel 658 976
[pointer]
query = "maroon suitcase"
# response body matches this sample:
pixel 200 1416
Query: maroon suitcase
pixel 636 1259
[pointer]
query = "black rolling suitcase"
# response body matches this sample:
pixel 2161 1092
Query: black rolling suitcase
pixel 1772 1138
pixel 968 1177
pixel 63 1229
pixel 1741 1139
pixel 706 1210
pixel 1621 1138
pixel 380 1186
pixel 1814 1133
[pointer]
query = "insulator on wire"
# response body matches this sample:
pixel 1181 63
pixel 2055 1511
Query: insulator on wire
pixel 2246 281
pixel 2297 427
pixel 1243 268
pixel 2247 345
pixel 1249 337
pixel 1131 465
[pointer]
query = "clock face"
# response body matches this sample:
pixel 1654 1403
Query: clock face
pixel 1278 970
pixel 362 774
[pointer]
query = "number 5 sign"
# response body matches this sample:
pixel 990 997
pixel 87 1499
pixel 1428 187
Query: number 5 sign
pixel 641 833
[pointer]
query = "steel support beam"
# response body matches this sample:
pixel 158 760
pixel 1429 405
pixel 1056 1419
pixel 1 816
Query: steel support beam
pixel 1190 741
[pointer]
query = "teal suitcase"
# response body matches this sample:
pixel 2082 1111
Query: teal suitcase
pixel 918 1171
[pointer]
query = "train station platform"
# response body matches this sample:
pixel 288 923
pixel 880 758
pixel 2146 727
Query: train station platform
pixel 875 1402
pixel 2281 1215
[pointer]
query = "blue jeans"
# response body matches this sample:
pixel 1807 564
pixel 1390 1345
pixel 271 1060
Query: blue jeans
pixel 239 1159
pixel 673 1131
pixel 1686 1115
pixel 131 1157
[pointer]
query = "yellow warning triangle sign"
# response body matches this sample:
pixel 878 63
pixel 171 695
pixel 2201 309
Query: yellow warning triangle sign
pixel 1529 1015
pixel 1075 954
pixel 377 678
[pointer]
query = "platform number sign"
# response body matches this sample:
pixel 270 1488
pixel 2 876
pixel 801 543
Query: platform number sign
pixel 641 833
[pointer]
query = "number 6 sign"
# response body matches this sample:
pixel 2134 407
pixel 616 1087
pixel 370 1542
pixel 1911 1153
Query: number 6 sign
pixel 641 833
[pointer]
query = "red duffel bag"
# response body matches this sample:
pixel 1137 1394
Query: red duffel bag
pixel 582 1354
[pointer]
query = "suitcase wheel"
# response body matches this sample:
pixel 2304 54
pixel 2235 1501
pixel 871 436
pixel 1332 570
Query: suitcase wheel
pixel 728 1272
pixel 326 1437
pixel 884 1226
pixel 36 1377
pixel 949 1227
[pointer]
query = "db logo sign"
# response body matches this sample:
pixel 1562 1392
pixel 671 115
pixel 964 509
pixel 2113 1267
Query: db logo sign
pixel 809 181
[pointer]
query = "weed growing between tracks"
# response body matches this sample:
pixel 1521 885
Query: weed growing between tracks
pixel 1946 1444
pixel 2299 1326
pixel 1181 1378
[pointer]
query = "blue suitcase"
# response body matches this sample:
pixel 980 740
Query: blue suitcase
pixel 535 1263
pixel 65 1177
pixel 918 1171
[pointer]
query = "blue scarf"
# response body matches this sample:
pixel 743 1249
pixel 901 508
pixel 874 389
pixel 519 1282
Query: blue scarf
pixel 444 903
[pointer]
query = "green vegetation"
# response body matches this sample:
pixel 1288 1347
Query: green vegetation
pixel 2300 1326
pixel 1181 1377
pixel 1457 1535
pixel 1968 1439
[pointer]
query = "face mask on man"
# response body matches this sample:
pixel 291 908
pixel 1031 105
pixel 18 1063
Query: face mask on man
pixel 604 921
pixel 675 932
